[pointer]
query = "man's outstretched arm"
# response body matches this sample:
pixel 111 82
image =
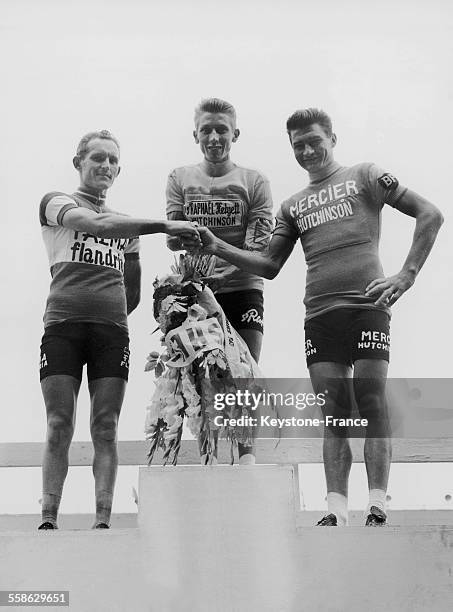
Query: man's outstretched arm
pixel 262 263
pixel 112 225
pixel 428 222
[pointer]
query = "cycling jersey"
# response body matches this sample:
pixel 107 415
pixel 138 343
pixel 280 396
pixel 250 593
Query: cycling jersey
pixel 236 207
pixel 87 271
pixel 337 221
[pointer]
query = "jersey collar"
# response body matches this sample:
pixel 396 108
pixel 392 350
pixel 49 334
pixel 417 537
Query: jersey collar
pixel 96 199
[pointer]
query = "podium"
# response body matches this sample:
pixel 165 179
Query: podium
pixel 230 539
pixel 218 537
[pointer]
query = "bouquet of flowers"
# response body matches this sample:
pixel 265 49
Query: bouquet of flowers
pixel 202 356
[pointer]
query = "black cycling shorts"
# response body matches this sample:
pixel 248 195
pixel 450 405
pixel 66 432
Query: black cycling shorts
pixel 243 309
pixel 345 335
pixel 67 347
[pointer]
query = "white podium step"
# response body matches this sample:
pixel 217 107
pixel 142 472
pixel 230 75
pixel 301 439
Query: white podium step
pixel 102 570
pixel 228 539
pixel 383 569
pixel 217 538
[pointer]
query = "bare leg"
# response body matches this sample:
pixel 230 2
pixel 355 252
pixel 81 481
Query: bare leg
pixel 106 400
pixel 337 459
pixel 336 450
pixel 204 449
pixel 370 377
pixel 253 339
pixel 60 397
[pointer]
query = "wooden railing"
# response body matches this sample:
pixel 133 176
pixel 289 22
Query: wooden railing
pixel 292 451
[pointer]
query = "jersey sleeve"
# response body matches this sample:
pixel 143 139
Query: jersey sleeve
pixel 259 219
pixel 174 194
pixel 132 250
pixel 53 207
pixel 284 226
pixel 384 187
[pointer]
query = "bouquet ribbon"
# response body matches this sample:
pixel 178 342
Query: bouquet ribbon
pixel 191 339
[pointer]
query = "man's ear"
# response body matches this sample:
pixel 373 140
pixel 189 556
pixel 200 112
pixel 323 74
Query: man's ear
pixel 333 139
pixel 195 136
pixel 236 134
pixel 76 162
pixel 119 170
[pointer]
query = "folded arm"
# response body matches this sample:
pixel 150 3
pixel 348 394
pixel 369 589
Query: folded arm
pixel 428 220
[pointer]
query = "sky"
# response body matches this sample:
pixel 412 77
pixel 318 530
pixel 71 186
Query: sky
pixel 138 68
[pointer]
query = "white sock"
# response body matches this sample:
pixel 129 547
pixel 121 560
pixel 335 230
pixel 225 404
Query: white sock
pixel 377 498
pixel 205 461
pixel 247 459
pixel 338 504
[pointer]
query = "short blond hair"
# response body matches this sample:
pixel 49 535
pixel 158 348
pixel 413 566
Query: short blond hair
pixel 215 105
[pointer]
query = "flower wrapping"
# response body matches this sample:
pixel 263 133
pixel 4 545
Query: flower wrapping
pixel 201 357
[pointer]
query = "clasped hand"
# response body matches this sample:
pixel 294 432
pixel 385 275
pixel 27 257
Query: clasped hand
pixel 204 240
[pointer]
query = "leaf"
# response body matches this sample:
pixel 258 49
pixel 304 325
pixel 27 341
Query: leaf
pixel 160 369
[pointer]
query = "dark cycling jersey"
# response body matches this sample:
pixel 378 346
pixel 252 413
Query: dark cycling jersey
pixel 338 223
